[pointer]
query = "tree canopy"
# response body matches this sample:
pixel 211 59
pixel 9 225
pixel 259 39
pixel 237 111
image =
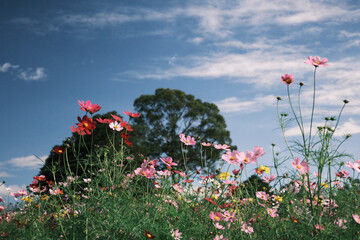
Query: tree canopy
pixel 168 113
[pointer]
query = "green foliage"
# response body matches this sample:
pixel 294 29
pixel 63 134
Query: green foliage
pixel 168 113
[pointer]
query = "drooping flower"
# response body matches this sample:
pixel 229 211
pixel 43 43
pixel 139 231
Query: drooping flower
pixel 88 107
pixel 135 115
pixel 187 140
pixel 316 61
pixel 149 235
pixel 115 126
pixel 287 79
pixel 58 150
pixel 206 144
pixel 302 167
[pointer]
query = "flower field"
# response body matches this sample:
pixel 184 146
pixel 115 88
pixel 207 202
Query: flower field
pixel 129 196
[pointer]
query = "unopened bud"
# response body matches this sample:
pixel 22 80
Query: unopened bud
pixel 347 135
pixel 301 84
pixel 278 98
pixel 346 101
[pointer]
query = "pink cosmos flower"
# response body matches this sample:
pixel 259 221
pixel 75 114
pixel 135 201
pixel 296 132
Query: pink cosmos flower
pixel 302 167
pixel 246 228
pixel 272 212
pixel 164 173
pixel 115 126
pixel 217 216
pixel 250 158
pixel 259 151
pixel 176 234
pixel 233 157
pixel 88 107
pixel 221 237
pixel 135 115
pixel 266 179
pixel 178 187
pixel 206 144
pixel 356 218
pixel 356 165
pixel 342 173
pixel 229 182
pixel 316 61
pixel 168 161
pixel 188 140
pixel 287 79
pixel 219 146
pixel 219 226
pixel 229 217
pixel 262 195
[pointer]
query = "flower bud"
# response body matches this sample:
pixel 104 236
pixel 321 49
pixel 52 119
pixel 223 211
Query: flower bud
pixel 346 101
pixel 278 98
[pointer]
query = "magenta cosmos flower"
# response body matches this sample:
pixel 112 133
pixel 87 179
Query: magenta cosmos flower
pixel 316 61
pixel 302 167
pixel 287 79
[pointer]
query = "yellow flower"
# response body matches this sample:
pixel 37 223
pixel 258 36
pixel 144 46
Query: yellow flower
pixel 224 176
pixel 279 199
pixel 27 199
pixel 215 197
pixel 325 185
pixel 262 169
pixel 44 197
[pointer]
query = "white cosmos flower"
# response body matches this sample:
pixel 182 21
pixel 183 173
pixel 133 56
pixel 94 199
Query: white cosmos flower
pixel 115 126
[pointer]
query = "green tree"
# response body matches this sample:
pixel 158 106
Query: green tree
pixel 78 157
pixel 168 113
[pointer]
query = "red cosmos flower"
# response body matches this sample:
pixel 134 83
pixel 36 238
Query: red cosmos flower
pixel 126 125
pixel 117 118
pixel 40 178
pixel 125 135
pixel 189 181
pixel 132 114
pixel 210 200
pixel 59 150
pixel 149 235
pixel 105 120
pixel 127 142
pixel 88 107
pixel 84 126
pixel 295 220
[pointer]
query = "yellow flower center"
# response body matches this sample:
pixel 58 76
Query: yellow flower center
pixel 298 167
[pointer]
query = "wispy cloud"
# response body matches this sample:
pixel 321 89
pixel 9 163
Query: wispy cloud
pixel 234 104
pixel 6 66
pixel 28 161
pixel 348 127
pixel 33 75
pixel 7 190
pixel 25 74
pixel 5 174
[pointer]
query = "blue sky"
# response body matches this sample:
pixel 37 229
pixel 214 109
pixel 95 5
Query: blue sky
pixel 231 53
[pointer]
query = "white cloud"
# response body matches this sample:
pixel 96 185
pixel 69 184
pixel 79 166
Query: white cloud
pixel 6 66
pixel 5 174
pixel 7 190
pixel 28 161
pixel 196 40
pixel 348 127
pixel 38 74
pixel 233 104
